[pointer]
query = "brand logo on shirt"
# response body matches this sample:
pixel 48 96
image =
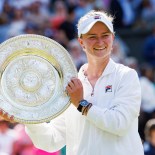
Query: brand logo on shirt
pixel 97 17
pixel 108 88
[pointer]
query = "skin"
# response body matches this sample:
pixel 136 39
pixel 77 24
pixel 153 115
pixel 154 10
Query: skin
pixel 152 137
pixel 97 44
pixel 3 127
pixel 4 115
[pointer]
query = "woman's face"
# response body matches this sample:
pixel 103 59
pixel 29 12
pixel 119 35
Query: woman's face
pixel 97 42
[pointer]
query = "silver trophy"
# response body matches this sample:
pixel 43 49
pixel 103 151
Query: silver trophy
pixel 34 71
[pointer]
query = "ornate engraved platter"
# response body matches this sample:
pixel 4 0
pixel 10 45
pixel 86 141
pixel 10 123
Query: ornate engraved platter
pixel 34 72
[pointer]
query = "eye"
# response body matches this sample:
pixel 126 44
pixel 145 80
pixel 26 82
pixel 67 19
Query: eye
pixel 92 37
pixel 106 35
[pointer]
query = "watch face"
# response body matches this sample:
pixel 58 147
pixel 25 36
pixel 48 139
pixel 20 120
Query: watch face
pixel 84 103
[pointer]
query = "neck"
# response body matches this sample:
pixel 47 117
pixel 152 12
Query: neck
pixel 96 68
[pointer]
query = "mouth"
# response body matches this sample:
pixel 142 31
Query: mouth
pixel 99 49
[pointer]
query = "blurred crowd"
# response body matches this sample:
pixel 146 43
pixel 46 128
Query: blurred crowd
pixel 57 19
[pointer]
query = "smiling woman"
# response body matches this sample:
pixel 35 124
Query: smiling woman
pixel 105 100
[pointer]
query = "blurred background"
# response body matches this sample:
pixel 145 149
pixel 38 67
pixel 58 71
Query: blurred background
pixel 134 46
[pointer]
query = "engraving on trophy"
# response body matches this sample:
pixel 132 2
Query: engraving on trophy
pixel 33 81
pixel 30 81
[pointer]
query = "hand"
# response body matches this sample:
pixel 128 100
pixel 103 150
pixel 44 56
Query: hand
pixel 4 115
pixel 75 91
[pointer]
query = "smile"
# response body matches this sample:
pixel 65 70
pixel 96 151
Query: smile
pixel 99 48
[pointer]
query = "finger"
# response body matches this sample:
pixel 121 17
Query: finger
pixel 69 89
pixel 75 81
pixel 79 82
pixel 12 119
pixel 71 84
pixel 1 113
pixel 5 115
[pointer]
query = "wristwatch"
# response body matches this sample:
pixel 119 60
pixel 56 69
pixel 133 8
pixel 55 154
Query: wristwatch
pixel 82 103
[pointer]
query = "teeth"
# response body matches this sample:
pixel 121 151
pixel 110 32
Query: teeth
pixel 99 48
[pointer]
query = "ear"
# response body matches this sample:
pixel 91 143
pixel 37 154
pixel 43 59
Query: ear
pixel 81 43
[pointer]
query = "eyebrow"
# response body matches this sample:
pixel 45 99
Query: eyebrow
pixel 91 34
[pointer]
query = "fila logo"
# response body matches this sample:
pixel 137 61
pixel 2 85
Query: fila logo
pixel 97 17
pixel 108 88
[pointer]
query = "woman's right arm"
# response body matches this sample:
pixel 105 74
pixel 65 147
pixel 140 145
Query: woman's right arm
pixel 48 136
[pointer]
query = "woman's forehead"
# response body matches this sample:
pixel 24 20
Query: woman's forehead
pixel 99 25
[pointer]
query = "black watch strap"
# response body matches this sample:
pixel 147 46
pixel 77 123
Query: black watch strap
pixel 79 108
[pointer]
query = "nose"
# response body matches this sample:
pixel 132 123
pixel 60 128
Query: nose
pixel 100 40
